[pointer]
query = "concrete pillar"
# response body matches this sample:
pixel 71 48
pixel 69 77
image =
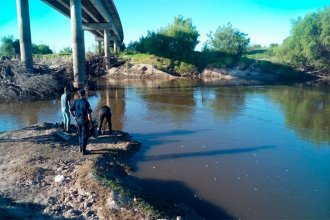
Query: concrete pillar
pixel 24 32
pixel 115 47
pixel 78 44
pixel 107 49
pixel 118 47
pixel 99 47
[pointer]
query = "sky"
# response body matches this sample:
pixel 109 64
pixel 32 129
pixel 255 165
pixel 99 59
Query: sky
pixel 265 21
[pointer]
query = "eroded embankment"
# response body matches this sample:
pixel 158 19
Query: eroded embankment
pixel 43 177
pixel 49 77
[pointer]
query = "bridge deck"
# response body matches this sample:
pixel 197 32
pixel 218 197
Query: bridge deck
pixel 94 12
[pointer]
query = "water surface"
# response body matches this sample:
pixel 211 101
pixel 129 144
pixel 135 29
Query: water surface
pixel 239 152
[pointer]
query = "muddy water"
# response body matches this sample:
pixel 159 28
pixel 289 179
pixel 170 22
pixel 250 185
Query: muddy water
pixel 228 152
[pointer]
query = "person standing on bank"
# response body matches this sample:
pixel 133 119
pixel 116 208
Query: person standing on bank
pixel 105 113
pixel 82 113
pixel 65 105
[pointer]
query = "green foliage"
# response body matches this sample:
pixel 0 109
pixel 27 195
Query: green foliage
pixel 41 49
pixel 214 59
pixel 122 47
pixel 171 66
pixel 254 47
pixel 227 39
pixel 264 54
pixel 183 34
pixel 9 46
pixel 273 45
pixel 178 40
pixel 309 42
pixel 66 50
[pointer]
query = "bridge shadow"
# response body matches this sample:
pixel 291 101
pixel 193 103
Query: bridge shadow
pixel 158 138
pixel 178 191
pixel 206 153
pixel 182 195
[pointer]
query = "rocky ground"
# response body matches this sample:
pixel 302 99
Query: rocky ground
pixel 42 176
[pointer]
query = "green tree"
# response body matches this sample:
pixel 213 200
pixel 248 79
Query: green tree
pixel 9 46
pixel 254 47
pixel 178 40
pixel 66 50
pixel 227 39
pixel 273 45
pixel 309 42
pixel 122 47
pixel 183 35
pixel 41 49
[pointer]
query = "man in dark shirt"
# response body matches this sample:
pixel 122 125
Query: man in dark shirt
pixel 105 113
pixel 81 111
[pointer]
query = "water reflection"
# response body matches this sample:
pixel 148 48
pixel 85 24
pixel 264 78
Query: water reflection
pixel 177 103
pixel 307 111
pixel 217 148
pixel 228 102
pixel 114 98
pixel 21 114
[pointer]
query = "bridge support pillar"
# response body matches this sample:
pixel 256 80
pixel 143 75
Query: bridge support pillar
pixel 107 49
pixel 24 31
pixel 115 47
pixel 99 47
pixel 78 44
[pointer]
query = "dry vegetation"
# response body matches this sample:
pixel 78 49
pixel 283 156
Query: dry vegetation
pixel 51 74
pixel 17 84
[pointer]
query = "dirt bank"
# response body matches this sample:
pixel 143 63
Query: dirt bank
pixel 44 177
pixel 50 76
pixel 252 74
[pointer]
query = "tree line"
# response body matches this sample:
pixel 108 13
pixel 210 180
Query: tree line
pixel 308 45
pixel 179 39
pixel 10 47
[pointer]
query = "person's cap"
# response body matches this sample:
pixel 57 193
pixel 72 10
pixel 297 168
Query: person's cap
pixel 81 92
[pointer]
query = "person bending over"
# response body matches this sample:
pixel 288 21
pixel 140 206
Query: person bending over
pixel 105 114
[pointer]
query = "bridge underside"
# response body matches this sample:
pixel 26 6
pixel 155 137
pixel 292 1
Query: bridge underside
pixel 100 17
pixel 97 15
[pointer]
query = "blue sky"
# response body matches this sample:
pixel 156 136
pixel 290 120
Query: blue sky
pixel 265 21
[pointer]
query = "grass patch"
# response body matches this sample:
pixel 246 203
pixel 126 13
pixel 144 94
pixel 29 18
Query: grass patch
pixel 52 56
pixel 175 67
pixel 257 60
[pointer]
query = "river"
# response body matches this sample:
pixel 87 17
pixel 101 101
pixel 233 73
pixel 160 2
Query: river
pixel 257 152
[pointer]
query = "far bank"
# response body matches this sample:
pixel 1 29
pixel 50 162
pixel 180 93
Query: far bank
pixel 53 72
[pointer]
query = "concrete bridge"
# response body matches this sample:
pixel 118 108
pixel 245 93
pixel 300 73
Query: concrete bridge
pixel 100 17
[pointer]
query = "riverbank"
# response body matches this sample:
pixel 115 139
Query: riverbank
pixel 53 73
pixel 44 177
pixel 228 70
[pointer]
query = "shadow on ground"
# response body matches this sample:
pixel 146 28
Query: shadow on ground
pixel 10 209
